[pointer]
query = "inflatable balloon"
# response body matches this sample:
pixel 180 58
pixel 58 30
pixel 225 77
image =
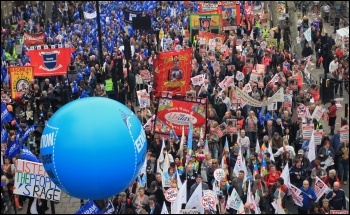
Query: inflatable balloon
pixel 93 148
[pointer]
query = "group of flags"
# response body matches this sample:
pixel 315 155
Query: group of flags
pixel 16 145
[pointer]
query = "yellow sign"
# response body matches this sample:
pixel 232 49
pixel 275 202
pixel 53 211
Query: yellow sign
pixel 205 22
pixel 271 42
pixel 21 77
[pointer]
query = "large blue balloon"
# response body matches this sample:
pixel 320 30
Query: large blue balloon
pixel 93 148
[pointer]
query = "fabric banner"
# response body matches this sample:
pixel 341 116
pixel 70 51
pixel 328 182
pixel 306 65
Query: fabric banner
pixel 34 39
pixel 6 116
pixel 89 208
pixel 21 77
pixel 89 15
pixel 145 75
pixel 129 14
pixel 204 22
pixel 172 71
pixel 320 188
pixel 307 34
pixel 173 113
pixel 296 195
pixel 34 174
pixel 208 36
pixel 277 97
pixel 50 62
pixel 28 155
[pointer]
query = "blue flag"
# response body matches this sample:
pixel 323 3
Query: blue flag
pixel 190 136
pixel 261 117
pixel 173 135
pixel 89 208
pixel 109 208
pixel 28 155
pixel 4 135
pixel 6 116
pixel 12 150
pixel 27 133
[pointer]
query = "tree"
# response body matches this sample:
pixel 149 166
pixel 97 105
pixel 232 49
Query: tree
pixel 294 28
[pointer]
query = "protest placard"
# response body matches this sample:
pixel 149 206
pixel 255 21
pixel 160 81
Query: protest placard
pixel 338 212
pixel 208 200
pixel 198 80
pixel 145 75
pixel 287 101
pixel 344 133
pixel 307 131
pixel 260 68
pixel 318 136
pixel 219 174
pixel 171 194
pixel 32 180
pixel 254 76
pixel 239 76
pixel 189 211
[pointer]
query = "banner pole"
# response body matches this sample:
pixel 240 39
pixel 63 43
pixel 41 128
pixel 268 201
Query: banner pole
pixel 52 205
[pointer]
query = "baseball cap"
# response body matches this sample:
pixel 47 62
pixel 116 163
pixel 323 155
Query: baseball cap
pixel 300 152
pixel 122 194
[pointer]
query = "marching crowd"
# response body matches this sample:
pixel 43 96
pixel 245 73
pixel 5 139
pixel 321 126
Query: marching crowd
pixel 267 141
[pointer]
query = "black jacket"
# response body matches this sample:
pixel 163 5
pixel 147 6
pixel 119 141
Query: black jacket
pixel 307 51
pixel 157 209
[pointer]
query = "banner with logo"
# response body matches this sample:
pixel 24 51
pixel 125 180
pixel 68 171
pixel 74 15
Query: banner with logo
pixel 204 22
pixel 129 14
pixel 344 133
pixel 20 78
pixel 172 71
pixel 228 11
pixel 320 188
pixel 36 181
pixel 173 113
pixel 248 100
pixel 89 208
pixel 207 36
pixel 34 39
pixel 90 15
pixel 50 62
pixel 145 75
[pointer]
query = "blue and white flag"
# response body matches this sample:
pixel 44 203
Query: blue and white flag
pixel 109 208
pixel 6 116
pixel 129 14
pixel 12 150
pixel 89 208
pixel 28 155
pixel 27 133
pixel 90 15
pixel 4 135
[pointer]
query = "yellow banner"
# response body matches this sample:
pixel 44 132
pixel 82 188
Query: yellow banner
pixel 21 77
pixel 271 42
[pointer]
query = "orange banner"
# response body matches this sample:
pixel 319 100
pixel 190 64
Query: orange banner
pixel 208 36
pixel 21 77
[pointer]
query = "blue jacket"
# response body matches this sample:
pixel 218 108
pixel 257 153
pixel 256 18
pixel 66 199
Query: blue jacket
pixel 335 141
pixel 307 202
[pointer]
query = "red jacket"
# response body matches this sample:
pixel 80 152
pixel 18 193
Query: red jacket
pixel 332 111
pixel 270 179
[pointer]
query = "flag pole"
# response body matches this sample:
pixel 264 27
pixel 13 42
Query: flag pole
pixel 99 33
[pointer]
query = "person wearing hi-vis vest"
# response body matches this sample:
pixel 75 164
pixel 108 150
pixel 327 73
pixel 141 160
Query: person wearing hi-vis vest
pixel 265 32
pixel 109 87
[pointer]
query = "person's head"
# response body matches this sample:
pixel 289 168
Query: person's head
pixel 327 144
pixel 247 207
pixel 153 157
pixel 276 135
pixel 151 200
pixel 158 177
pixel 300 153
pixel 122 196
pixel 306 184
pixel 198 178
pixel 325 203
pixel 336 186
pixel 272 167
pixel 317 164
pixel 298 163
pixel 141 191
pixel 241 174
pixel 280 181
pixel 7 160
pixel 332 173
pixel 189 168
pixel 242 133
pixel 267 155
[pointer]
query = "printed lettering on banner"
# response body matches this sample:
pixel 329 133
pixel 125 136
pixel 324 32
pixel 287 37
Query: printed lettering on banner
pixel 171 194
pixel 263 45
pixel 230 81
pixel 275 79
pixel 212 44
pixel 307 131
pixel 338 212
pixel 287 101
pixel 317 114
pixel 344 133
pixel 219 174
pixel 202 41
pixel 198 80
pixel 208 200
pixel 320 188
pixel 222 84
pixel 318 136
pixel 189 211
pixel 31 180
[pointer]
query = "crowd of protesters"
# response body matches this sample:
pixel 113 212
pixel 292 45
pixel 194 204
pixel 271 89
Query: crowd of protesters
pixel 278 129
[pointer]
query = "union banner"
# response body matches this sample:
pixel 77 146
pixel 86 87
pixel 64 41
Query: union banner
pixel 21 77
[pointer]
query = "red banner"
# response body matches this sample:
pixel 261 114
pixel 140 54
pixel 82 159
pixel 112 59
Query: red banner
pixel 172 71
pixel 50 62
pixel 34 39
pixel 176 113
pixel 209 35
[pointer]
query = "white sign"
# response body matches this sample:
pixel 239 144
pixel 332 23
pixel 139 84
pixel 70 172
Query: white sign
pixel 208 200
pixel 318 136
pixel 344 133
pixel 307 34
pixel 272 106
pixel 219 174
pixel 171 194
pixel 317 114
pixel 32 180
pixel 239 76
pixel 307 131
